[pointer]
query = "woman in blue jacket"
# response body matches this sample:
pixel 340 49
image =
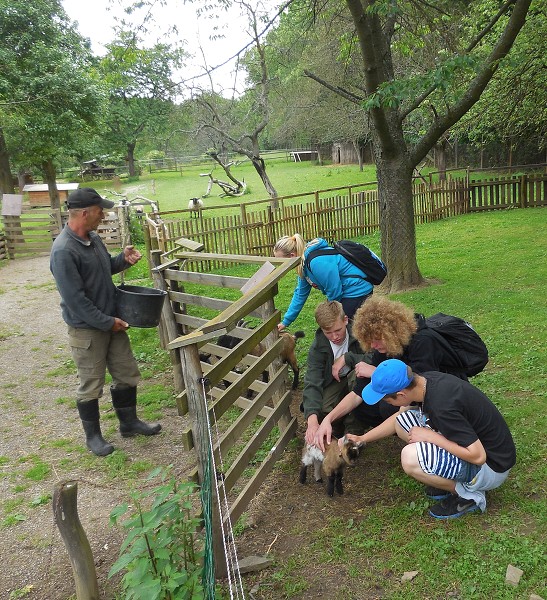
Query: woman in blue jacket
pixel 332 274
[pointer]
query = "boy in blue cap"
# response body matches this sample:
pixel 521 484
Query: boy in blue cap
pixel 458 443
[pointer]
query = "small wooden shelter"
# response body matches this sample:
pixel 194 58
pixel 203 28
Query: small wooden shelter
pixel 38 193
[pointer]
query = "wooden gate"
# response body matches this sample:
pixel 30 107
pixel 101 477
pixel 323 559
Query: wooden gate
pixel 240 423
pixel 32 232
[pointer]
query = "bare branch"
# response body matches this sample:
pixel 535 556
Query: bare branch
pixel 336 89
pixel 246 47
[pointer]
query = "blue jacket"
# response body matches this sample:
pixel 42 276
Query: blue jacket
pixel 331 274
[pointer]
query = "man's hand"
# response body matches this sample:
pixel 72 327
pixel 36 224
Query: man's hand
pixel 363 369
pixel 323 435
pixel 280 327
pixel 338 364
pixel 131 255
pixel 119 325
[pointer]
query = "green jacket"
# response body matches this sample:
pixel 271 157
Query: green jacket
pixel 319 370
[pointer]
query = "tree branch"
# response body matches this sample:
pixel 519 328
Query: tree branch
pixel 347 95
pixel 477 85
pixel 469 48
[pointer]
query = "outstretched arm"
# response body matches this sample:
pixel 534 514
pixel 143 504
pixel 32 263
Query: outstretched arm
pixel 346 405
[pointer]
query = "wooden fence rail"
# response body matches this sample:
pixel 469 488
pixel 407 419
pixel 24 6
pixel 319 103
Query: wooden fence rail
pixel 255 229
pixel 211 382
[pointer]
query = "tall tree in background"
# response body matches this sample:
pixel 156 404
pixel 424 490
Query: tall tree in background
pixel 513 109
pixel 463 44
pixel 49 97
pixel 142 90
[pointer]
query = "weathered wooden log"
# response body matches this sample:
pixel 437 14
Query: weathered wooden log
pixel 65 511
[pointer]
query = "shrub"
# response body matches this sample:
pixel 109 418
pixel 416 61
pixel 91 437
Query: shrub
pixel 161 555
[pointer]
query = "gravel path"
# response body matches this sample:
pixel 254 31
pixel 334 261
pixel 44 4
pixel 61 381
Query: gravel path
pixel 41 443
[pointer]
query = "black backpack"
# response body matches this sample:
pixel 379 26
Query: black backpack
pixel 462 341
pixel 362 257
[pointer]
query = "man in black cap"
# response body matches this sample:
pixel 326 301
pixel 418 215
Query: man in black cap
pixel 83 271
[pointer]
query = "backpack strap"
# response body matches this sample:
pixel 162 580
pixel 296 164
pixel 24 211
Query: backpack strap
pixel 319 252
pixel 325 252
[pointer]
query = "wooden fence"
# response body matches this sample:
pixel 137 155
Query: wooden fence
pixel 233 412
pixel 254 227
pixel 34 231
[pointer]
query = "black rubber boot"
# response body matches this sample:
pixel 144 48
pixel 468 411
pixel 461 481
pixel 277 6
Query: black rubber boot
pixel 89 414
pixel 125 404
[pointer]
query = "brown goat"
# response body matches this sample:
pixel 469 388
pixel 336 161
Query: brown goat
pixel 333 462
pixel 287 354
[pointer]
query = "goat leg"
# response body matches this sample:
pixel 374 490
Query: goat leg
pixel 296 372
pixel 303 474
pixel 330 485
pixel 338 482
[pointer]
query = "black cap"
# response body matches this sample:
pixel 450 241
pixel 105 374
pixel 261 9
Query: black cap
pixel 85 197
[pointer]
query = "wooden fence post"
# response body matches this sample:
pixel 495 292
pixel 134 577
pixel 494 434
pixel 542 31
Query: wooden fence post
pixel 198 413
pixel 65 511
pixel 523 196
pixel 168 326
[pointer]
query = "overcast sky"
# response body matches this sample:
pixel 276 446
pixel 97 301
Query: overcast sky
pixel 95 22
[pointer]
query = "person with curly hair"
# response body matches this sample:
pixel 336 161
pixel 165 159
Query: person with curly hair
pixel 389 329
pixel 332 274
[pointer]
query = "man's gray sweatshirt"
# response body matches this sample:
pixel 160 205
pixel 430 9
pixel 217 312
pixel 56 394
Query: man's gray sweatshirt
pixel 83 272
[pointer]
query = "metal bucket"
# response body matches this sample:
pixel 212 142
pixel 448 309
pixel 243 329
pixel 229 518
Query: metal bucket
pixel 140 306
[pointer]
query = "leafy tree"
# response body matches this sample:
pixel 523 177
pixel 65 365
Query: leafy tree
pixel 304 113
pixel 454 49
pixel 49 96
pixel 513 106
pixel 142 91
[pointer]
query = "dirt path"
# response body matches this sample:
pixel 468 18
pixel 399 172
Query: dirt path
pixel 41 443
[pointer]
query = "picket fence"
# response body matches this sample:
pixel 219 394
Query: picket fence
pixel 253 228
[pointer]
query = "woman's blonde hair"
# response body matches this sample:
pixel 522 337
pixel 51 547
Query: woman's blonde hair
pixel 291 244
pixel 382 319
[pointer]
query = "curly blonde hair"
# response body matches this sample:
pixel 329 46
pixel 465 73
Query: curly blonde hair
pixel 382 319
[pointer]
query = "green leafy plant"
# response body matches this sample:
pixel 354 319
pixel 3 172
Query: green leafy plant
pixel 162 553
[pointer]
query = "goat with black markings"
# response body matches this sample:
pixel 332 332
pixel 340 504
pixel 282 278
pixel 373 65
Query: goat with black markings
pixel 332 462
pixel 195 205
pixel 287 354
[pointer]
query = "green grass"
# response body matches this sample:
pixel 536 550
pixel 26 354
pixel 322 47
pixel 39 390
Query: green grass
pixel 172 191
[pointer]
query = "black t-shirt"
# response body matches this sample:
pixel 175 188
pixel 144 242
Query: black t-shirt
pixel 463 414
pixel 424 353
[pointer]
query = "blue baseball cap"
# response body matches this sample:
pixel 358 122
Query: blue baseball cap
pixel 390 376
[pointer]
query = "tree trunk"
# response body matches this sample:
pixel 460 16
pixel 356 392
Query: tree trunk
pixel 131 158
pixel 6 180
pixel 50 177
pixel 357 148
pixel 260 166
pixel 398 232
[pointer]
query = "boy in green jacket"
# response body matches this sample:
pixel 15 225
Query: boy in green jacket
pixel 330 373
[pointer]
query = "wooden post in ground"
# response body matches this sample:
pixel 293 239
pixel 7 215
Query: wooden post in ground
pixel 197 408
pixel 65 511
